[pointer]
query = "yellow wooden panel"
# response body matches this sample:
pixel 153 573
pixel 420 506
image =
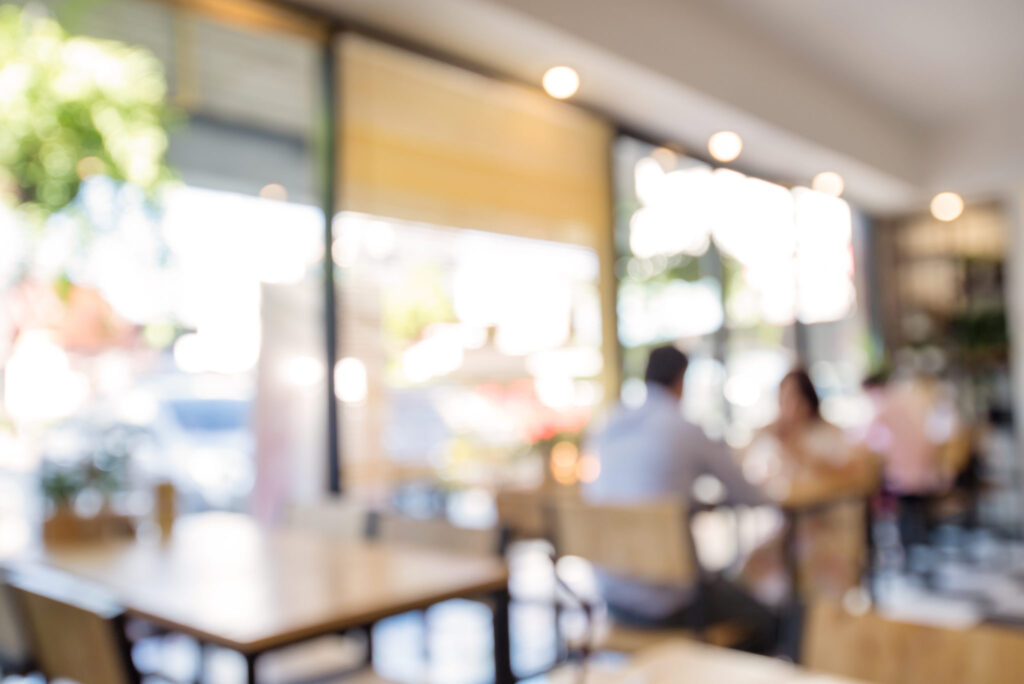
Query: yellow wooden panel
pixel 426 141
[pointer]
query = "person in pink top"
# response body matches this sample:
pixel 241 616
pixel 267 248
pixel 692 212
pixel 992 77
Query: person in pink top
pixel 914 419
pixel 915 426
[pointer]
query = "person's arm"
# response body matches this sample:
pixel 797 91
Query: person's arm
pixel 715 458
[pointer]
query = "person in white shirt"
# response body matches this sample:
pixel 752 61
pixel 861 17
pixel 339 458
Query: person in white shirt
pixel 651 452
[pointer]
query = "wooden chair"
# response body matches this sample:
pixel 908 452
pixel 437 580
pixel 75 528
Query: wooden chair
pixel 339 517
pixel 434 533
pixel 648 543
pixel 326 660
pixel 524 513
pixel 15 650
pixel 77 633
pixel 875 649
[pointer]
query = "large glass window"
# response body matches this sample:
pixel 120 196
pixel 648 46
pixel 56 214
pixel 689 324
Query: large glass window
pixel 469 267
pixel 185 328
pixel 747 276
pixel 452 357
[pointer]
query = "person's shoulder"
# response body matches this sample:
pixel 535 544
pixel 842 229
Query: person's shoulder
pixel 766 432
pixel 826 440
pixel 823 429
pixel 689 431
pixel 611 420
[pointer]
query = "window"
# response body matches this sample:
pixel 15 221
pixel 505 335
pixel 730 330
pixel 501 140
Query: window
pixel 747 276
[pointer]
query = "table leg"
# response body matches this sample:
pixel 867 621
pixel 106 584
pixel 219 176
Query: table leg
pixel 869 542
pixel 502 642
pixel 791 615
pixel 250 667
pixel 789 553
pixel 369 643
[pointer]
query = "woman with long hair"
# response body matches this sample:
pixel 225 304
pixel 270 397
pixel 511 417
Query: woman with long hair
pixel 802 448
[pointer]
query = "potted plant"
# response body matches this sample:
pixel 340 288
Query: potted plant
pixel 60 484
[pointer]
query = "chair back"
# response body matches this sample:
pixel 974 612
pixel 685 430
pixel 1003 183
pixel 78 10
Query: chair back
pixel 875 649
pixel 339 517
pixel 524 513
pixel 648 542
pixel 955 454
pixel 77 633
pixel 436 534
pixel 15 650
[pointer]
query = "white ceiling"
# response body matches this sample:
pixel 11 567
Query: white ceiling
pixel 933 62
pixel 901 97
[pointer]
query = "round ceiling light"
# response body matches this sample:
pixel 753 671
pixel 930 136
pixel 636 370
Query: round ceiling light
pixel 725 146
pixel 947 206
pixel 561 82
pixel 829 182
pixel 274 191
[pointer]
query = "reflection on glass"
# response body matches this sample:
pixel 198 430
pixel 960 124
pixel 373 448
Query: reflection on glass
pixel 470 342
pixel 727 266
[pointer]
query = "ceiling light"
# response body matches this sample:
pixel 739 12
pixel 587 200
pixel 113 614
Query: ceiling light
pixel 725 146
pixel 274 191
pixel 561 82
pixel 947 206
pixel 828 182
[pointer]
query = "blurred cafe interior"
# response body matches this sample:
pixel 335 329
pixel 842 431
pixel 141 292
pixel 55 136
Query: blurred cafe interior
pixel 469 341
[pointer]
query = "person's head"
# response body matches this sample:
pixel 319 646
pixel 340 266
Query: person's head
pixel 666 367
pixel 798 400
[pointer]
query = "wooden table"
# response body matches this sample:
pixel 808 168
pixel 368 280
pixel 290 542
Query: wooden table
pixel 690 661
pixel 225 580
pixel 675 661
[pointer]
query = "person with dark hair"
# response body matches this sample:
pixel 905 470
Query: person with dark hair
pixel 798 400
pixel 652 452
pixel 801 446
pixel 666 367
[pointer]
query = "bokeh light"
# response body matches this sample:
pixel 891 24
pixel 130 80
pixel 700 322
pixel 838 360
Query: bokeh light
pixel 829 182
pixel 588 469
pixel 947 206
pixel 725 146
pixel 564 458
pixel 561 82
pixel 350 383
pixel 274 191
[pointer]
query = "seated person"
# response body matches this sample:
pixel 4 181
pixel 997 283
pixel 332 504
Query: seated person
pixel 802 449
pixel 914 419
pixel 917 433
pixel 652 452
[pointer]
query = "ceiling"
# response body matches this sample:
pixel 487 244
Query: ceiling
pixel 901 98
pixel 933 62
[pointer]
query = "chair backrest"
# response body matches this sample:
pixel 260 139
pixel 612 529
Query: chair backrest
pixel 435 533
pixel 340 517
pixel 648 542
pixel 872 648
pixel 524 513
pixel 77 633
pixel 15 649
pixel 955 454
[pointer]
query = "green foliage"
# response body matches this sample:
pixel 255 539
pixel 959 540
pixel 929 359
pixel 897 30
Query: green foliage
pixel 71 107
pixel 61 483
pixel 102 466
pixel 418 301
pixel 982 334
